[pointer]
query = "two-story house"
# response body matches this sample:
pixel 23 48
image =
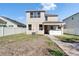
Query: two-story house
pixel 41 23
pixel 72 24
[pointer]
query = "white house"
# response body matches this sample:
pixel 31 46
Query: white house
pixel 72 24
pixel 2 23
pixel 7 22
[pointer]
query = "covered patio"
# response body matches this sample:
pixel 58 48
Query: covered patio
pixel 53 28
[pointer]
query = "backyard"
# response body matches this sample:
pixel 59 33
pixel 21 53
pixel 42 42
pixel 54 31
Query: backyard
pixel 70 38
pixel 28 45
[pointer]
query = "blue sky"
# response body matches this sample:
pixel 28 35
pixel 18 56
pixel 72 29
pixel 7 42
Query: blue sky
pixel 16 11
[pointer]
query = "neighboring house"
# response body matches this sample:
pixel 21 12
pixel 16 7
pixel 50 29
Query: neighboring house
pixel 41 23
pixel 72 24
pixel 2 23
pixel 10 22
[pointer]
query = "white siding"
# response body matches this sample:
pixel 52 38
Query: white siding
pixel 8 22
pixel 72 25
pixel 72 31
pixel 54 32
pixel 52 18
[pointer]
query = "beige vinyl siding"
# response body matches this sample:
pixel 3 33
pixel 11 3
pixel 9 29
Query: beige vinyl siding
pixel 52 19
pixel 35 23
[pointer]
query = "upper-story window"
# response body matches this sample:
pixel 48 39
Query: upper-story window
pixel 72 18
pixel 34 14
pixel 46 18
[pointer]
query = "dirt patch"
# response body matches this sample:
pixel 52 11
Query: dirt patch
pixel 28 45
pixel 29 48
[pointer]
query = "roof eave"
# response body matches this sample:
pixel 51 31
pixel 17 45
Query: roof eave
pixel 35 11
pixel 70 16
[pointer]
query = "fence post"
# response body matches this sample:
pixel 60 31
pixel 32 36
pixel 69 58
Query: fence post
pixel 2 31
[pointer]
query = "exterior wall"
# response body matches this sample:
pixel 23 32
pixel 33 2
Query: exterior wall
pixel 52 18
pixel 4 31
pixel 35 23
pixel 8 22
pixel 72 25
pixel 54 32
pixel 72 31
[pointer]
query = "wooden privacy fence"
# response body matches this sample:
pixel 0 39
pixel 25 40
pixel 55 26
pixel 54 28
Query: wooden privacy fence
pixel 10 30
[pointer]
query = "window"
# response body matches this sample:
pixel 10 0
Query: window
pixel 30 27
pixel 72 18
pixel 38 14
pixel 31 14
pixel 34 14
pixel 40 27
pixel 46 18
pixel 2 25
pixel 10 25
pixel 59 27
pixel 51 27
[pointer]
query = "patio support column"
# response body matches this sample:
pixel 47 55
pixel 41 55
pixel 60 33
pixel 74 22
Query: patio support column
pixel 48 28
pixel 43 29
pixel 27 29
pixel 62 29
pixel 56 27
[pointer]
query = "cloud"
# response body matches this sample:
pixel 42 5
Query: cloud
pixel 48 6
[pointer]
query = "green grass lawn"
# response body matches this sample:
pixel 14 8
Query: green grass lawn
pixel 69 38
pixel 52 48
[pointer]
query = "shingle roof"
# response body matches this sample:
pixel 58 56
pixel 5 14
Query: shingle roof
pixel 35 10
pixel 2 22
pixel 71 16
pixel 51 15
pixel 15 22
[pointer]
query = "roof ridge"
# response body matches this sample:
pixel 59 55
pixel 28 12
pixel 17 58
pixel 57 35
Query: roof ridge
pixel 14 21
pixel 71 15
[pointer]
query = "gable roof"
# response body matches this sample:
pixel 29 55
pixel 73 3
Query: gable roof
pixel 13 21
pixel 71 16
pixel 2 22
